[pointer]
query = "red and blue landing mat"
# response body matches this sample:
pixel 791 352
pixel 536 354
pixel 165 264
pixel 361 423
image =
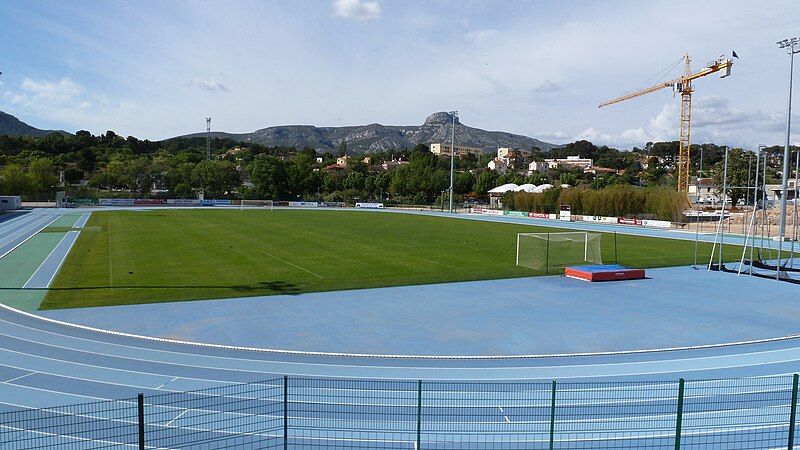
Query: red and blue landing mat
pixel 603 272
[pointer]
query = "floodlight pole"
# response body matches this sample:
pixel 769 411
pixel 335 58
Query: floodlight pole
pixel 208 138
pixel 452 157
pixel 724 204
pixel 791 46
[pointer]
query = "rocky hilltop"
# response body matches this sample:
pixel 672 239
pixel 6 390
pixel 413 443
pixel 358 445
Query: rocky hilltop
pixel 376 137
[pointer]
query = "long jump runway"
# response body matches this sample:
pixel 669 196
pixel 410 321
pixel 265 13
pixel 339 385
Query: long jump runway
pixel 44 362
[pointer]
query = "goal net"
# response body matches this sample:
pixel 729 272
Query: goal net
pixel 546 251
pixel 256 204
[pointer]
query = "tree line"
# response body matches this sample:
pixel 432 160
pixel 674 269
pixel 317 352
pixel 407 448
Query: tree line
pixel 108 165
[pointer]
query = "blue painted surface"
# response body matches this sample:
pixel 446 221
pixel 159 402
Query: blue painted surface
pixel 47 271
pixel 676 307
pixel 21 226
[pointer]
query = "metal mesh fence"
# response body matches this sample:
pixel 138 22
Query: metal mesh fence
pixel 322 413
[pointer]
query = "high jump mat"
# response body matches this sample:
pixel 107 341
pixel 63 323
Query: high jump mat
pixel 603 272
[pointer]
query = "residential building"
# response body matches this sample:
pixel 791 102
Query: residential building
pixel 538 166
pixel 439 149
pixel 342 160
pixel 571 162
pixel 498 164
pixel 704 190
pixel 595 170
pixel 335 167
pixel 510 153
pixel 393 164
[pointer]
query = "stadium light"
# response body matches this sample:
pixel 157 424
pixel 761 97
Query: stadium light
pixel 452 157
pixel 791 46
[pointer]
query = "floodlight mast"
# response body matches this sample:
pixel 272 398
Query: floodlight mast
pixel 452 157
pixel 792 47
pixel 208 138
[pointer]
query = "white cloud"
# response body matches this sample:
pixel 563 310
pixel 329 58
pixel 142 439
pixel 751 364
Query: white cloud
pixel 547 86
pixel 714 119
pixel 60 92
pixel 554 135
pixel 65 102
pixel 356 9
pixel 479 36
pixel 209 84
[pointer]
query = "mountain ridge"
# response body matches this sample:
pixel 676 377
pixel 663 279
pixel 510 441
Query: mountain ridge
pixel 378 137
pixel 12 126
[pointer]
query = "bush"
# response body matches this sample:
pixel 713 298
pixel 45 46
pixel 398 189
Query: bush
pixel 616 201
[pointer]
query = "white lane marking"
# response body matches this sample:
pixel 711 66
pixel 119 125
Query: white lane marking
pixel 386 367
pixel 81 222
pixel 291 264
pixel 18 226
pixel 74 438
pixel 19 386
pixel 28 238
pixel 439 263
pixel 63 258
pixel 44 261
pixel 168 382
pixel 102 368
pixel 176 417
pixel 504 414
pixel 20 377
pixel 430 357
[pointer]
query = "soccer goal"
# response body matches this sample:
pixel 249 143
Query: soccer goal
pixel 249 204
pixel 547 251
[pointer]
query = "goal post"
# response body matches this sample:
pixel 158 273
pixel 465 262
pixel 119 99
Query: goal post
pixel 546 251
pixel 250 204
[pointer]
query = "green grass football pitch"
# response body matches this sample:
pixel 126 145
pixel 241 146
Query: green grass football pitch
pixel 129 257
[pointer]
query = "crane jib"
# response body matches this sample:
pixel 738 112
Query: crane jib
pixel 683 85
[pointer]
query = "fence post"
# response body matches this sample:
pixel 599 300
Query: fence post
pixel 140 408
pixel 285 412
pixel 553 415
pixel 419 415
pixel 793 412
pixel 679 415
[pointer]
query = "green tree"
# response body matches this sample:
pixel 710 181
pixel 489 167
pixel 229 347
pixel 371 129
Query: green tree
pixel 485 181
pixel 354 180
pixel 14 179
pixel 568 178
pixel 43 175
pixel 536 178
pixel 738 166
pixel 268 175
pixel 301 179
pixel 463 183
pixel 215 178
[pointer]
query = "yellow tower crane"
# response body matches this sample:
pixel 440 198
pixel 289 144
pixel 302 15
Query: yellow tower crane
pixel 683 85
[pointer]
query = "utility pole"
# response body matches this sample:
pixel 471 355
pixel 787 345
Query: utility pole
pixel 208 138
pixel 452 157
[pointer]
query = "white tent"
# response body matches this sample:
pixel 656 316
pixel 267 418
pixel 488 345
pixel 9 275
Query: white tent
pixel 527 187
pixel 504 188
pixel 542 188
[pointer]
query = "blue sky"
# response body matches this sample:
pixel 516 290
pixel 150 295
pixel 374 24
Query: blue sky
pixel 156 69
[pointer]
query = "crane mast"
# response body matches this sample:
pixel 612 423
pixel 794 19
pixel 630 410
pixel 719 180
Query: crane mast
pixel 682 85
